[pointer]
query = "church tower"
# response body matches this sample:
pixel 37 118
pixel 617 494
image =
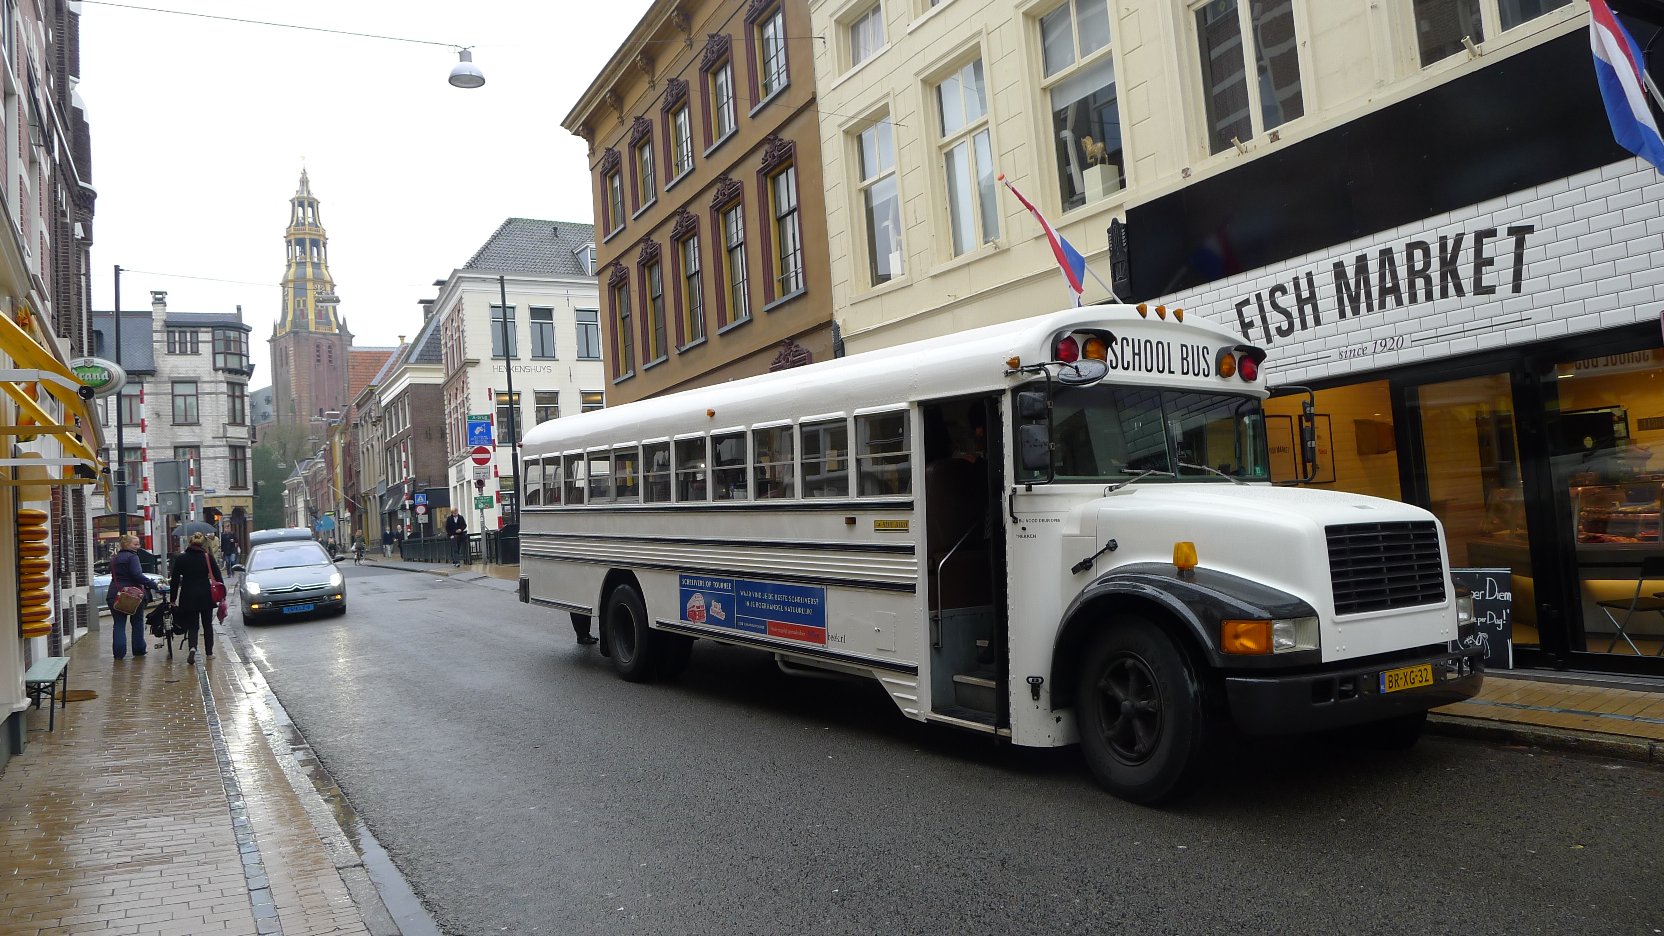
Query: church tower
pixel 310 341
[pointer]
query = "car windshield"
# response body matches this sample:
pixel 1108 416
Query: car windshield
pixel 286 556
pixel 1108 433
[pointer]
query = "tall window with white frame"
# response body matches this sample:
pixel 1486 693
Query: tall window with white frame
pixel 967 158
pixel 681 142
pixel 1241 104
pixel 589 334
pixel 543 332
pixel 591 400
pixel 547 403
pixel 875 151
pixel 693 291
pixel 788 234
pixel 736 289
pixel 1079 79
pixel 185 403
pixel 646 185
pixel 771 52
pixel 624 336
pixel 866 34
pixel 614 182
pixel 720 89
pixel 653 289
pixel 507 406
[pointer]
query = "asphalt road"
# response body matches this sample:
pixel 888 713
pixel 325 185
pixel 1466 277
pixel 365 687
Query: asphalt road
pixel 522 788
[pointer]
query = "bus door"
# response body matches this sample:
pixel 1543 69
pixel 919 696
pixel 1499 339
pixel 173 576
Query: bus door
pixel 964 559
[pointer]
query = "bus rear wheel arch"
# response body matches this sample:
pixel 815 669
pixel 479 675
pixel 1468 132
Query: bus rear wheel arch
pixel 1145 727
pixel 639 652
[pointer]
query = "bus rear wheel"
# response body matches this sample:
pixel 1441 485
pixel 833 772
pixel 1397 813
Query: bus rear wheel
pixel 1142 714
pixel 629 638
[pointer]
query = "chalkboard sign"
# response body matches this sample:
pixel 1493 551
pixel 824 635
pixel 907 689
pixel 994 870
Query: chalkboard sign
pixel 1493 600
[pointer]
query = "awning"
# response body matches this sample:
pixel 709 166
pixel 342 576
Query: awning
pixel 38 366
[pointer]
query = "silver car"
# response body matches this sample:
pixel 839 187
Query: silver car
pixel 289 577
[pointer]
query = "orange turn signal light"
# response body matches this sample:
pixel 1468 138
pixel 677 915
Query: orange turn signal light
pixel 1245 637
pixel 1095 349
pixel 1143 310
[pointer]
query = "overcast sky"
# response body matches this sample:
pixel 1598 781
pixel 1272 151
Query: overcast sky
pixel 199 129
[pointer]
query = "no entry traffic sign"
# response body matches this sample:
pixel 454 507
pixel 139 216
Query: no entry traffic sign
pixel 481 455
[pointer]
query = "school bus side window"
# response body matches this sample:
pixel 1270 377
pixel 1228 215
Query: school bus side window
pixel 728 480
pixel 551 481
pixel 626 474
pixel 599 474
pixel 692 474
pixel 575 479
pixel 825 445
pixel 775 477
pixel 655 473
pixel 882 459
pixel 534 482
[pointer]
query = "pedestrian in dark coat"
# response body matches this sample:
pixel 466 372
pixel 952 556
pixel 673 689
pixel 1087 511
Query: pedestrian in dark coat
pixel 191 576
pixel 125 571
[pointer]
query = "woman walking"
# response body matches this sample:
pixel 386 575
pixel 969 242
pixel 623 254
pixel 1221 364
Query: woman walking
pixel 192 577
pixel 125 572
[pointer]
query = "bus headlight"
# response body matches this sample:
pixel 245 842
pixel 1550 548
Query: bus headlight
pixel 1260 637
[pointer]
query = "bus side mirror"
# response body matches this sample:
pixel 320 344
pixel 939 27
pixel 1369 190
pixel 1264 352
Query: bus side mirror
pixel 1035 445
pixel 1308 442
pixel 1031 405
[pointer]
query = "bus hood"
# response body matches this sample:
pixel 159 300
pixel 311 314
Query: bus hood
pixel 1272 535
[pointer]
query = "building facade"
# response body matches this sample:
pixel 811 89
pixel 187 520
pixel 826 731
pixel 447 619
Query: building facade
pixel 47 198
pixel 414 453
pixel 310 341
pixel 549 332
pixel 704 142
pixel 1417 209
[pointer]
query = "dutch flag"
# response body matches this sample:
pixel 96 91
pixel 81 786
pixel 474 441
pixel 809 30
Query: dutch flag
pixel 1619 69
pixel 1070 259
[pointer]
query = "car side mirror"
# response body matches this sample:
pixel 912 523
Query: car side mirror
pixel 238 568
pixel 339 557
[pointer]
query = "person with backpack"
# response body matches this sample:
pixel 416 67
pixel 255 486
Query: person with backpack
pixel 193 578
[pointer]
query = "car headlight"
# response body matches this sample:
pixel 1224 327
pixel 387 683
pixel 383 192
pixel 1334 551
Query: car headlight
pixel 335 580
pixel 1283 635
pixel 252 588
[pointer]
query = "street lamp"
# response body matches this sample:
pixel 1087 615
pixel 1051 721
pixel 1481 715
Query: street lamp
pixel 465 74
pixel 509 339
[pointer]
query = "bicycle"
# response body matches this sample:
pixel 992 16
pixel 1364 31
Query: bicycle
pixel 358 554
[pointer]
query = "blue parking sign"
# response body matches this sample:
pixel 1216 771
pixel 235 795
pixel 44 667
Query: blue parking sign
pixel 479 432
pixel 419 498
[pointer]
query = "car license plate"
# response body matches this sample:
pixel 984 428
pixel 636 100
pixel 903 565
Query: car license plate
pixel 1410 677
pixel 297 609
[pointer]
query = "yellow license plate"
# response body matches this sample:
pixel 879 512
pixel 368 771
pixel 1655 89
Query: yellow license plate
pixel 1410 677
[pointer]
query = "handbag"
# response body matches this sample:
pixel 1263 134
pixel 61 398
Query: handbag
pixel 128 600
pixel 216 588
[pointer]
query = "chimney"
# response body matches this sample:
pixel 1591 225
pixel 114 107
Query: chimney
pixel 159 301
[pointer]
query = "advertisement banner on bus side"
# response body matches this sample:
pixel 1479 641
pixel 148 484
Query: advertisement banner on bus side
pixel 772 609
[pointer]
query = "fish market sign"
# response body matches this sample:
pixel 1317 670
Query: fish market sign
pixel 1419 271
pixel 103 377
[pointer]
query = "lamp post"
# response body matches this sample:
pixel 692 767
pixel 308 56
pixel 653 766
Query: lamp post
pixel 121 435
pixel 509 338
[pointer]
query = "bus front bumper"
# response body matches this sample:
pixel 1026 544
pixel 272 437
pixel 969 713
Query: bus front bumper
pixel 1273 705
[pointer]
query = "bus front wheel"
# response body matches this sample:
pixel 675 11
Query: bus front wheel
pixel 1142 714
pixel 629 637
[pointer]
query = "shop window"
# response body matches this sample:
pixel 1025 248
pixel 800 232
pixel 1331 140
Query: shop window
pixel 1250 68
pixel 1086 110
pixel 1356 445
pixel 1513 13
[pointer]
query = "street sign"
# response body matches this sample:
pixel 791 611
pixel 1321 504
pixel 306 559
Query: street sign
pixel 482 472
pixel 480 455
pixel 104 377
pixel 420 498
pixel 479 432
pixel 482 501
pixel 421 510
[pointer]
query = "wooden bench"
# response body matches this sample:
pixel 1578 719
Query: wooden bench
pixel 42 679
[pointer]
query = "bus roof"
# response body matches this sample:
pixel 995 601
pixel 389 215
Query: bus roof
pixel 966 363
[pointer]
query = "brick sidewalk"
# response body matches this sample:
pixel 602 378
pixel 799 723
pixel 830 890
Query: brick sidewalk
pixel 130 818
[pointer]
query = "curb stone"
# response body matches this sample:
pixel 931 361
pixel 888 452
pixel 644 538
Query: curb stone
pixel 1619 747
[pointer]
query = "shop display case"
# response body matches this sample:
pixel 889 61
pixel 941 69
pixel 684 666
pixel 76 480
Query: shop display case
pixel 1618 514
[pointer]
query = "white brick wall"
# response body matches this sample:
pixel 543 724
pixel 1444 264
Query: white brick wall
pixel 1593 259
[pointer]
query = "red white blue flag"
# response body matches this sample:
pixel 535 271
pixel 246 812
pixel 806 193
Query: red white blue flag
pixel 1070 259
pixel 1620 69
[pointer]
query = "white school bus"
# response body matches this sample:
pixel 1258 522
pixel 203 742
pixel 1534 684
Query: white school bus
pixel 1055 530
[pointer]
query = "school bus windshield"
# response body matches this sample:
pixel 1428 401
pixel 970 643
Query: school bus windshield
pixel 1108 433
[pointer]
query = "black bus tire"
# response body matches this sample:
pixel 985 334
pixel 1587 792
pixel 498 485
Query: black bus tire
pixel 1142 713
pixel 628 637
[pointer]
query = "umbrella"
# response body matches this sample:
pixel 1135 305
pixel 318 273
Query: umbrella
pixel 183 531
